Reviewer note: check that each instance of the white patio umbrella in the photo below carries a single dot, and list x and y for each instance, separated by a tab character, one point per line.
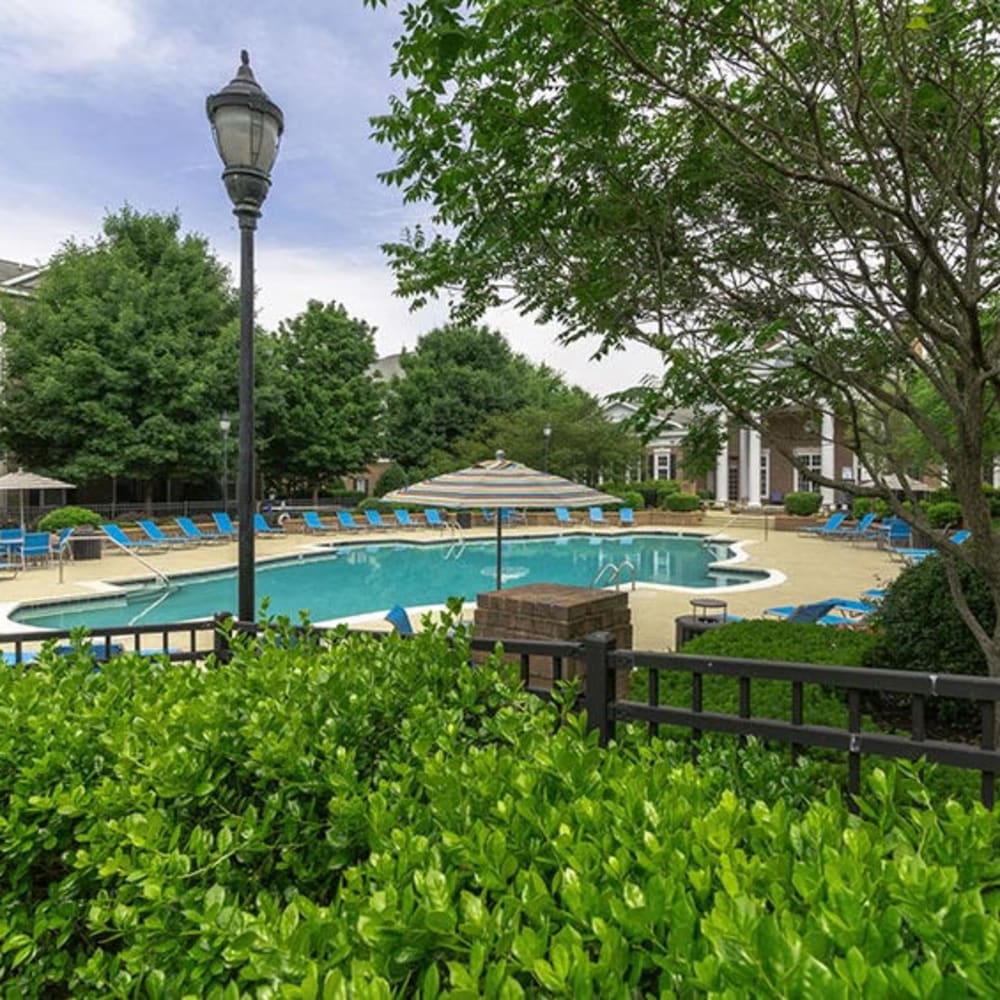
498	484
22	481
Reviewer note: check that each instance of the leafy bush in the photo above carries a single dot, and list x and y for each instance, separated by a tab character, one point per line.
944	513
416	826
792	642
993	496
802	504
681	501
633	499
394	478
68	517
920	628
865	505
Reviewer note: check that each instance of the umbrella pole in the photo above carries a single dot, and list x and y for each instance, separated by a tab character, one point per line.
499	551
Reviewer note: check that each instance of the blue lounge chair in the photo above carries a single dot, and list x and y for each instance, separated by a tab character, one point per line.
824	613
399	619
374	519
863	529
626	518
829	527
403	518
346	520
857	611
313	523
154	534
122	541
261	527
191	530
597	516
563	516
434	519
224	524
913	556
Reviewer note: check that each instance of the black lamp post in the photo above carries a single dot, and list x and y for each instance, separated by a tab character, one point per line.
547	433
247	127
224	425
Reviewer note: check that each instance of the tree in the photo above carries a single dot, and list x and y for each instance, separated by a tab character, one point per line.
796	203
115	366
329	405
455	379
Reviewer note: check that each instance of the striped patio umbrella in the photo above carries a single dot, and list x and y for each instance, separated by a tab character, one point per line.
497	484
20	481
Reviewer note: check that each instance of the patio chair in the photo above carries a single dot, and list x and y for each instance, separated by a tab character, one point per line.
434	519
313	522
154	533
918	555
597	516
346	520
563	516
828	528
191	530
374	518
37	547
122	541
261	527
399	619
857	611
626	517
224	524
403	518
824	613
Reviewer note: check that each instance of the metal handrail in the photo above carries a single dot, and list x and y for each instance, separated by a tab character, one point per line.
458	540
615	573
159	574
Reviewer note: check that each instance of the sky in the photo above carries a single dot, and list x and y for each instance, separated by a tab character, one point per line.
102	103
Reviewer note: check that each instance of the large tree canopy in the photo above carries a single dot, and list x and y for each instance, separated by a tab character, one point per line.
455	379
326	404
116	366
796	203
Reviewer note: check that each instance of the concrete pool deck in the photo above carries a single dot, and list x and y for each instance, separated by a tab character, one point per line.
807	569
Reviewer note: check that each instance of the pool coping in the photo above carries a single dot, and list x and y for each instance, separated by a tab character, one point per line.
314	548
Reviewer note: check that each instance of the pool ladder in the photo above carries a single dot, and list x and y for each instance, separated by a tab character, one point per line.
458	541
614	572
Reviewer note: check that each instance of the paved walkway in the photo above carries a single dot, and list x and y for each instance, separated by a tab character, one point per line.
807	569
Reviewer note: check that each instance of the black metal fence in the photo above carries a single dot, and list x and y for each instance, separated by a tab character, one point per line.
197	640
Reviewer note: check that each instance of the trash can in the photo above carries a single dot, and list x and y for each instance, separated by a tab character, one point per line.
85	546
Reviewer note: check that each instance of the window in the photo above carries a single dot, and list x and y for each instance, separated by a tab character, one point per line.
810	460
663	465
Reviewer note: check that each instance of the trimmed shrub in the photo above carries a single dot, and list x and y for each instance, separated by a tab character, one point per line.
920	628
394	478
866	505
633	499
791	642
944	513
802	504
69	517
681	502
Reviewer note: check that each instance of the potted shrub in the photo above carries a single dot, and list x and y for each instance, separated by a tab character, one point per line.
86	542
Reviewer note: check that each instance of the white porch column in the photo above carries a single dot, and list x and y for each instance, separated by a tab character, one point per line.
753	467
722	467
826	457
996	471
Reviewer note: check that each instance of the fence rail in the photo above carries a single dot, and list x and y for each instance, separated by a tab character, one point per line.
194	641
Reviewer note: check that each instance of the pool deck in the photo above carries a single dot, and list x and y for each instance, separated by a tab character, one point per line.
807	569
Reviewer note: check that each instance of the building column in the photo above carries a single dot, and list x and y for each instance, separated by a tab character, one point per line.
722	468
826	457
996	471
753	467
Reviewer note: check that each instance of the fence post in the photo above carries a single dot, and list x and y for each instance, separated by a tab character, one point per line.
220	636
600	684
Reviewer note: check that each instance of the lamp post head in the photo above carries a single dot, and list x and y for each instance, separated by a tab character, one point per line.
225	423
247	127
547	431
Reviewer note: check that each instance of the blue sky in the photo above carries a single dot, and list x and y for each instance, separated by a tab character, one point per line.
104	103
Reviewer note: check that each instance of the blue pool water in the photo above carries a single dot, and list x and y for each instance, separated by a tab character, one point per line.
361	578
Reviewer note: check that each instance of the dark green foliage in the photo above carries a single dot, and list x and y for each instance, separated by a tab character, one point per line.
633	499
920	628
394	478
68	517
944	513
681	501
802	504
864	505
379	818
791	642
123	360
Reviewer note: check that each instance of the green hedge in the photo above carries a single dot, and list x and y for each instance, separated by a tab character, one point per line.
380	819
802	504
68	517
681	501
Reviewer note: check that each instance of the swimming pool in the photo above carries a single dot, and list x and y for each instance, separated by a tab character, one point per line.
355	579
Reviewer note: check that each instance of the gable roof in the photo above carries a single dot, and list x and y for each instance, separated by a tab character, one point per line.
19	279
